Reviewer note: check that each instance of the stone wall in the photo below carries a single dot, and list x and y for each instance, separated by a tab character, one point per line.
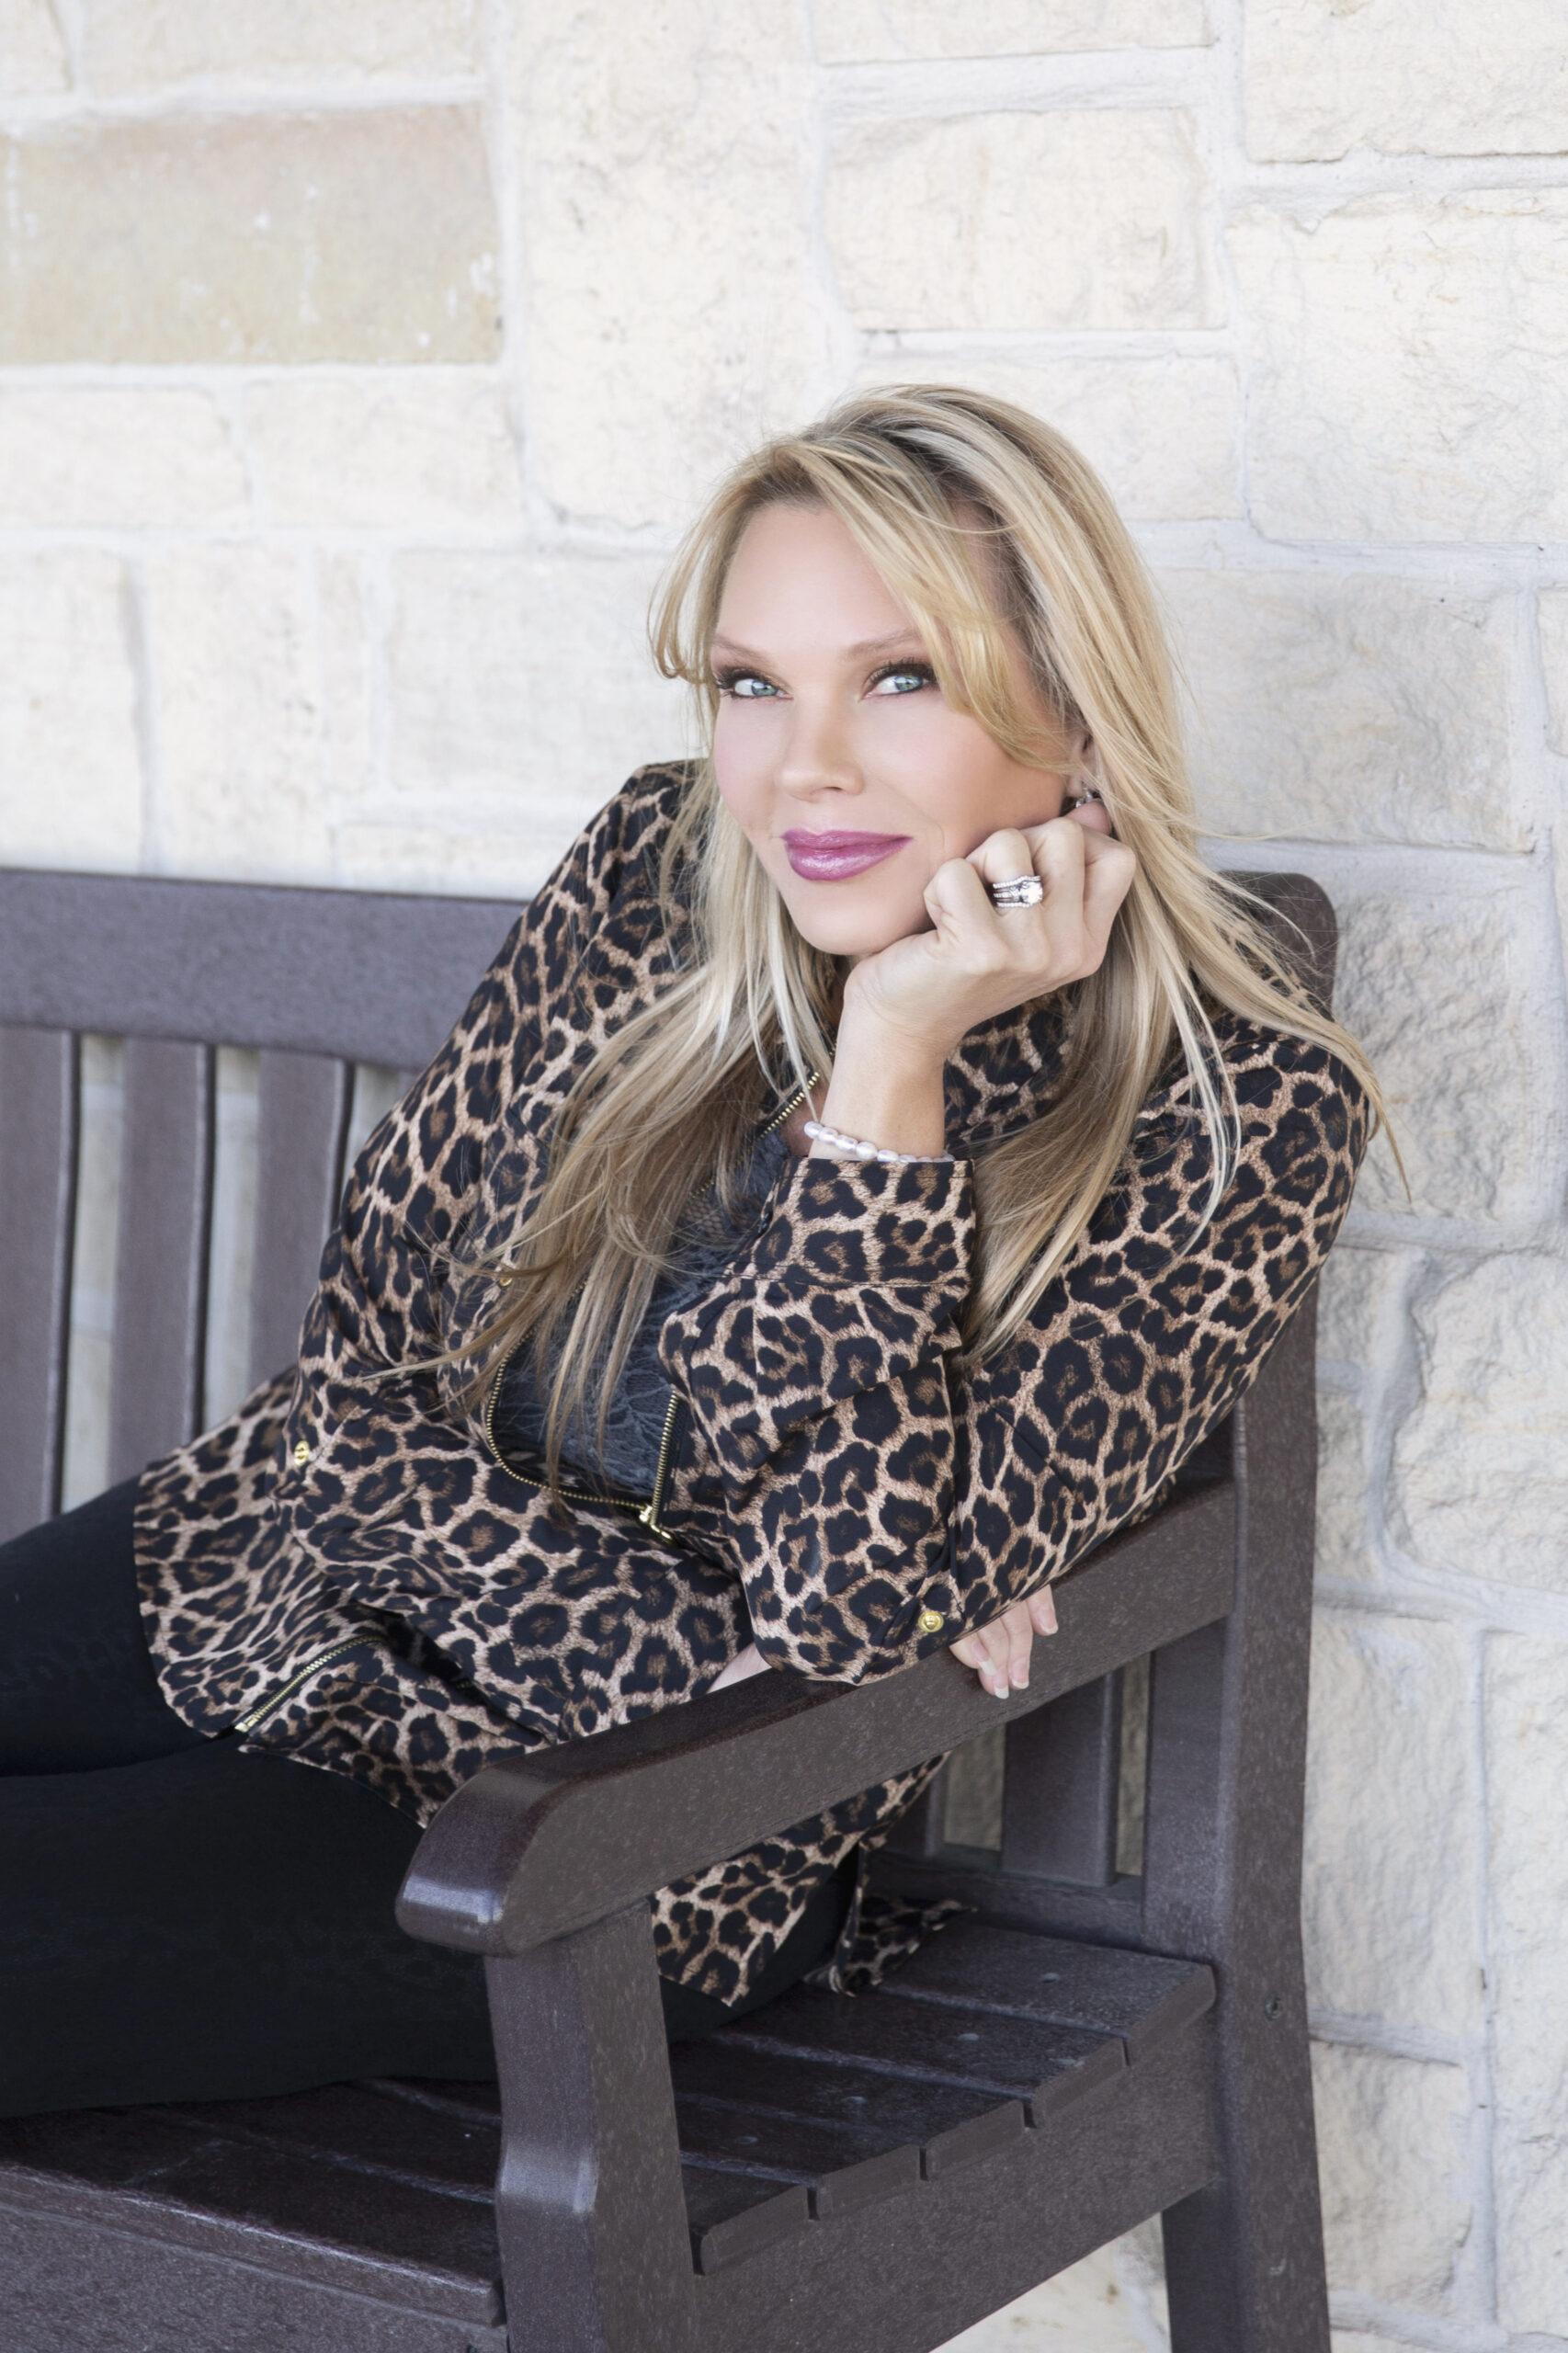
360	362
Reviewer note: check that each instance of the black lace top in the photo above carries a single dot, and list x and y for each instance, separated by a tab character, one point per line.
639	1405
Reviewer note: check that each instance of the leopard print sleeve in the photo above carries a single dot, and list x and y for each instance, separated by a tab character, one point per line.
883	1500
416	1175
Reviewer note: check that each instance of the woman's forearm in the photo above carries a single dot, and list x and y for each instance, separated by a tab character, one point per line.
886	1090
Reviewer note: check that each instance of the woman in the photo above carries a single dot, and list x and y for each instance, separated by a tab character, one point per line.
912	1204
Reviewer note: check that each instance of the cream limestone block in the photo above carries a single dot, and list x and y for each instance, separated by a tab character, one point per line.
32	50
120	457
1479	1464
514	676
1408	366
377	453
1394	2166
460	858
850	31
1119	414
675	313
1389	1878
1439	988
263	716
1344	1543
1526	1769
1356	2340
1553	610
1079	217
1113	2301
157	44
361	233
1433	77
70	766
1345	707
1358	1296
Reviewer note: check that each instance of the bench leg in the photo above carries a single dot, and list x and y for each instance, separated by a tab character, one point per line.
1243	2256
596	2249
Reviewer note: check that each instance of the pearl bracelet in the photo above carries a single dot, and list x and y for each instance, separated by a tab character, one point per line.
857	1148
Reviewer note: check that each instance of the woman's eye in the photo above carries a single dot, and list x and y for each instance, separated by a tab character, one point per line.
921	672
730	682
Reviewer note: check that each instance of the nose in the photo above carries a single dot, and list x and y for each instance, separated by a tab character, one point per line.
817	752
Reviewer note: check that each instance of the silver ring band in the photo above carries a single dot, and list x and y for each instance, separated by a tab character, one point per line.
1018	891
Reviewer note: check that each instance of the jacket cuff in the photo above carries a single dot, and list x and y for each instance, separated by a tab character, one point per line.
854	1283
833	1223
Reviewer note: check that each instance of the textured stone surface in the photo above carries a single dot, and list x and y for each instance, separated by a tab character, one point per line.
1079	217
1395	2171
160	43
1344	1538
522	682
1116	412
32	48
1386	713
63	458
847	30
674	311
1409	365
1526	1774
409	452
70	766
262	716
1554	659
1480	1464
1360	1312
361	235
1435	77
1441	989
1389	1881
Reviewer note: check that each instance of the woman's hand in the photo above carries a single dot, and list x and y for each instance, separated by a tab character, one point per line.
933	987
1000	1652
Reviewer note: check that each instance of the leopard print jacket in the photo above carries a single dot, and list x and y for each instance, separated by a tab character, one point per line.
341	1572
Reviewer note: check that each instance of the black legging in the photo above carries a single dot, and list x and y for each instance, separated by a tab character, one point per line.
179	1921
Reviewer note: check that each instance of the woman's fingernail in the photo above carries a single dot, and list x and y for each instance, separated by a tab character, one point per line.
1020	1674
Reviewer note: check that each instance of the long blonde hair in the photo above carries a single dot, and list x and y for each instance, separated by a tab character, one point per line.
669	1103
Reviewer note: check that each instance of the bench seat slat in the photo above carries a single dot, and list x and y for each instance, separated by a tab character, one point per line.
1044	2066
1142	1997
186	2186
948	2126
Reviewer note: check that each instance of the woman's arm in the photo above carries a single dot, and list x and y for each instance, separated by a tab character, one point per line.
883	1501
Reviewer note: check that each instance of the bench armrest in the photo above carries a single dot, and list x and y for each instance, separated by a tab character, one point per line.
537	1845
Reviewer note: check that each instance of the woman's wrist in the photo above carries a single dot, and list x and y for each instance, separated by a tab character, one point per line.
886	1090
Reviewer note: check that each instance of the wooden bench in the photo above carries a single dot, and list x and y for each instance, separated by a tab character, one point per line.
1093	2046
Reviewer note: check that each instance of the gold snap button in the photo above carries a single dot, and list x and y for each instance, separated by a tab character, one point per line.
503	1276
302	1450
929	1620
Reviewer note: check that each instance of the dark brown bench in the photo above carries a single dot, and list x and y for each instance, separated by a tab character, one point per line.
1097	2045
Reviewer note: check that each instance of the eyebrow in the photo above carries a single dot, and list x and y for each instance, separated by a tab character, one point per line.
862	645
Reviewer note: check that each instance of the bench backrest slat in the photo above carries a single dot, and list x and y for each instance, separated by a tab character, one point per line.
39	1150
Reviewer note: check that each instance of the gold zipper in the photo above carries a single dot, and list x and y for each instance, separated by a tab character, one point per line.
254	1715
647	1511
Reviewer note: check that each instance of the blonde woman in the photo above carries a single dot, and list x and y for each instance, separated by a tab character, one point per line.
876	1157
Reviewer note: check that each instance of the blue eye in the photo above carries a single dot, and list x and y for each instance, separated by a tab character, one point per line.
730	680
920	671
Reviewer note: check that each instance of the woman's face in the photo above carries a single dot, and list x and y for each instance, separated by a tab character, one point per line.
832	722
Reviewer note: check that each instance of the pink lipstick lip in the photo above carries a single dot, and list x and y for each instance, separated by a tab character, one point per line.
822	857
